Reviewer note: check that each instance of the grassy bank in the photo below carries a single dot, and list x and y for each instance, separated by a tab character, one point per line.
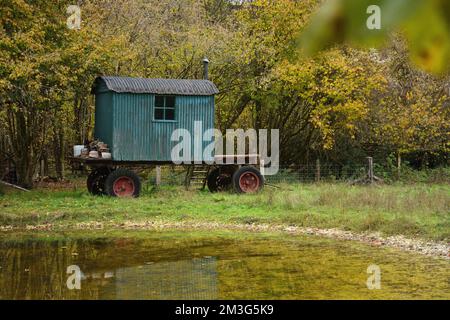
415	211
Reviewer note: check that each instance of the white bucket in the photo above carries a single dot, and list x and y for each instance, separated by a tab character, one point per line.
77	150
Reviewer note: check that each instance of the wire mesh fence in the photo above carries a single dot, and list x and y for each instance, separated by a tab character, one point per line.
316	173
176	175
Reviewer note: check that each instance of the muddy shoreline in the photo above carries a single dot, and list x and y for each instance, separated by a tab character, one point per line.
429	248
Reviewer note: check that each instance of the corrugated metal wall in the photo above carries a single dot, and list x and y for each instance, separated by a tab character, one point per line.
135	136
196	108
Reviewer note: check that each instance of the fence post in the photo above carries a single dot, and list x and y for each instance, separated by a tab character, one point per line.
370	171
262	168
158	176
189	173
318	170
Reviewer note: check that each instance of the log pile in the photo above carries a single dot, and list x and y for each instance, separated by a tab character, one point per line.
96	150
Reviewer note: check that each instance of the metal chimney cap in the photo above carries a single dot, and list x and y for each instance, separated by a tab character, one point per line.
205	68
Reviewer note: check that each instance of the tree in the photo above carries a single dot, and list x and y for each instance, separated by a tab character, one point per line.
412	114
313	103
30	39
40	65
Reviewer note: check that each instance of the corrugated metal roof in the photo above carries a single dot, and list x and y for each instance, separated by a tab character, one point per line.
158	86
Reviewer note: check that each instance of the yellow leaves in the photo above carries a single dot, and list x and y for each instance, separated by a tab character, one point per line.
409	95
418	124
337	87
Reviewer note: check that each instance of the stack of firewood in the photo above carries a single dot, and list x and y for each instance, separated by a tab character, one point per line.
95	150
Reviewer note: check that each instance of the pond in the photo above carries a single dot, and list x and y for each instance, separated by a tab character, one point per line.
210	265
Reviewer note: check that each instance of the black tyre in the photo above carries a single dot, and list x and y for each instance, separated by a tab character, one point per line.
123	183
218	181
96	181
248	180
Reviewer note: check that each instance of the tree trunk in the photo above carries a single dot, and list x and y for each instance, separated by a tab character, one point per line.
26	127
58	145
25	171
23	151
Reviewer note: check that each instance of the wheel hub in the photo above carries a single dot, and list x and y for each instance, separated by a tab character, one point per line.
249	182
124	187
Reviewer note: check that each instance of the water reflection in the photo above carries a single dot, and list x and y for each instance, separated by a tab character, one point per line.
110	269
188	266
194	279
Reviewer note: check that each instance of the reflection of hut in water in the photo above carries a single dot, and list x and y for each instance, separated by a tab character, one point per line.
187	279
38	270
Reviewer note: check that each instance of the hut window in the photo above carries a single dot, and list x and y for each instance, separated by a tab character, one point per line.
164	108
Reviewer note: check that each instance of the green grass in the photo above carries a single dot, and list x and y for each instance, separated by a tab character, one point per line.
415	211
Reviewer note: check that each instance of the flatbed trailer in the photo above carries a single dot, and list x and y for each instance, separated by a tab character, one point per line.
119	179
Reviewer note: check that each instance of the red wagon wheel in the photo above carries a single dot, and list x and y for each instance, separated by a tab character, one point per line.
123	183
124	187
248	180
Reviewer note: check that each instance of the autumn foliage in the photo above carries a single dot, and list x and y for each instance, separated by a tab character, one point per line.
341	105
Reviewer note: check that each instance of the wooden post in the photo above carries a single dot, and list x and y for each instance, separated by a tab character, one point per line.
158	176
262	168
370	169
318	170
399	165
